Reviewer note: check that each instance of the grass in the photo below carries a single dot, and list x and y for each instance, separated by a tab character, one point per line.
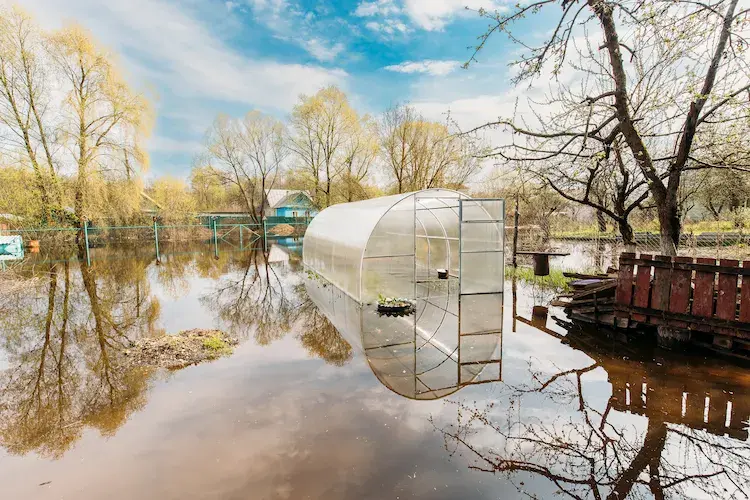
706	226
554	281
217	345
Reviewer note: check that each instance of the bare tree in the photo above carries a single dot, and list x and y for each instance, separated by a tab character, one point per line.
423	154
361	151
24	101
683	76
248	154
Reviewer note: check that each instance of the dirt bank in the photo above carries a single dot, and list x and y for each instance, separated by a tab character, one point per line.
188	347
282	230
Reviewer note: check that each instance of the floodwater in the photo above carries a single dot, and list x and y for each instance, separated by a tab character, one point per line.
297	412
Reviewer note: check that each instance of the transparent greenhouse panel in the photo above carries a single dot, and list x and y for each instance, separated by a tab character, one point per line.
482	272
395	246
484	210
481	236
387	276
481	313
484	347
394	233
379	331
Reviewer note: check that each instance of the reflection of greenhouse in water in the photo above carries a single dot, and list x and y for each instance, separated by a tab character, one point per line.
402	246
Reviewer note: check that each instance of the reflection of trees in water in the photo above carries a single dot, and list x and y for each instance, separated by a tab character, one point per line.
258	299
588	452
66	367
265	300
65	339
319	336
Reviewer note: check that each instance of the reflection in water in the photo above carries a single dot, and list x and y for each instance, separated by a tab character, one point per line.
65	363
63	360
576	412
693	442
423	355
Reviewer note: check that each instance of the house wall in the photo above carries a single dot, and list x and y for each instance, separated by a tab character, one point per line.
299	207
290	211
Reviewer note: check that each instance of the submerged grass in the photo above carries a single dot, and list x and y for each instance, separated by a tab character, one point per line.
554	281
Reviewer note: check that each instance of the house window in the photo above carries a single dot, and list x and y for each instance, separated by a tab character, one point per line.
294	214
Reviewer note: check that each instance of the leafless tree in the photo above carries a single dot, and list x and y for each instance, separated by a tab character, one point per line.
665	79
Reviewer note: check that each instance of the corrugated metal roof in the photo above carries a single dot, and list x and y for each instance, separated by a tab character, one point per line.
277	197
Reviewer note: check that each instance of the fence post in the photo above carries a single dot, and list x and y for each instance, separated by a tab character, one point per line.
86	240
265	236
216	241
156	241
516	218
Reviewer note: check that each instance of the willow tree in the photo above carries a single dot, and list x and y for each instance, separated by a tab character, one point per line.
360	153
25	96
422	154
665	78
104	120
322	129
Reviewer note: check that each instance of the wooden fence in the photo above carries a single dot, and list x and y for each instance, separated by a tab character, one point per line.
699	295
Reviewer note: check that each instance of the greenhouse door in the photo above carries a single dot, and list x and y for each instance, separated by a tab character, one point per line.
480	289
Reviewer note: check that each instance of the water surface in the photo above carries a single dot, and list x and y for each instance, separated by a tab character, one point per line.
297	412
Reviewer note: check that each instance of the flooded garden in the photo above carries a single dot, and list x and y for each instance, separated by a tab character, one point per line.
298	410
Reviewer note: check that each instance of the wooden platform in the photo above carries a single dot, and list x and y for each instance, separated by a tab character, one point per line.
700	301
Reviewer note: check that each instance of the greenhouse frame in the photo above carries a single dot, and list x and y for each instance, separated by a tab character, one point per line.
441	250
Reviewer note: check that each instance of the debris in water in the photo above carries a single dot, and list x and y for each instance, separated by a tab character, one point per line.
186	348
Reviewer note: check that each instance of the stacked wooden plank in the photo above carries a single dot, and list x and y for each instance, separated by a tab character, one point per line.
592	298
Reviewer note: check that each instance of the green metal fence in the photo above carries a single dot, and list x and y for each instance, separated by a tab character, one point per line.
239	235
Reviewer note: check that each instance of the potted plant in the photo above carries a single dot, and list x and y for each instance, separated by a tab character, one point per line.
394	305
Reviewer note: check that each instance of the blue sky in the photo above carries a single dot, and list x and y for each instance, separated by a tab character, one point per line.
197	58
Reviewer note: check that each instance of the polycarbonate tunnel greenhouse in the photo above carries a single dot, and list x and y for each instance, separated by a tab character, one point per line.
440	250
387	245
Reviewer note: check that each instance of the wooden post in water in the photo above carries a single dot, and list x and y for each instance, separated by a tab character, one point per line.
156	241
516	218
265	236
86	240
216	242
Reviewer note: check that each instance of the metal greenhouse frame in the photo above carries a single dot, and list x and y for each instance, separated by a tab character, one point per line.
394	246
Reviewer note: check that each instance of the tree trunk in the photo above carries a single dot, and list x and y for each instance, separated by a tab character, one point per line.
628	237
601	221
669	223
648	456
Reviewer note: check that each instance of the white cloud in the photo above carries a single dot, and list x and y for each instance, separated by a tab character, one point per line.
428	66
230	5
322	51
292	23
388	27
174	50
430	15
376	8
435	14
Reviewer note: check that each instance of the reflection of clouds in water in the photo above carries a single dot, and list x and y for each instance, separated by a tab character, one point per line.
270	432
